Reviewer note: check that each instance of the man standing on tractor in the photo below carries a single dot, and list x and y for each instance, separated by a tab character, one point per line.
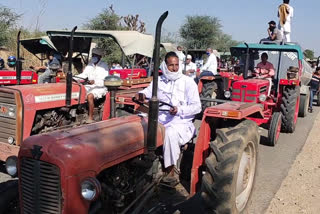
285	14
95	72
191	67
265	70
182	93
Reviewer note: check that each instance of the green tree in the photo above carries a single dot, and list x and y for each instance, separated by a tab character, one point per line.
200	32
309	54
8	19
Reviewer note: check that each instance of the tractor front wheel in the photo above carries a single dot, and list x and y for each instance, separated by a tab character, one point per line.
231	168
290	108
274	129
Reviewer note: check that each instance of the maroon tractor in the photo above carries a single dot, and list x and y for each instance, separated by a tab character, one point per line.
114	166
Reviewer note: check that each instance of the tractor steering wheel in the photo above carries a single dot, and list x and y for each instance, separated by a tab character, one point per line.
85	80
161	103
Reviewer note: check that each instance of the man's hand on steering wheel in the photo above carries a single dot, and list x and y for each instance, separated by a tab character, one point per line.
174	110
140	99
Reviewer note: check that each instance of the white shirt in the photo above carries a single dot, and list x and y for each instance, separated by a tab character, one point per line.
97	73
181	56
287	26
211	65
191	66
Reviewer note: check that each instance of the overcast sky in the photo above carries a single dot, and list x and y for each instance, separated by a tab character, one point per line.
245	20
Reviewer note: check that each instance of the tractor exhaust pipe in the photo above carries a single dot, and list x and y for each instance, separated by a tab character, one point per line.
19	63
154	102
69	73
246	67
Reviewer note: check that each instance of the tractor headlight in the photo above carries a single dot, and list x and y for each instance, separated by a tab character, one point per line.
227	94
90	189
11	166
12	112
262	97
11	140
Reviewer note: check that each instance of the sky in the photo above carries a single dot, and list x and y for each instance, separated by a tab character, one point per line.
244	20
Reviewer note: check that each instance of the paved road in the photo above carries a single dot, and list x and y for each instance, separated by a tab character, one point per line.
273	166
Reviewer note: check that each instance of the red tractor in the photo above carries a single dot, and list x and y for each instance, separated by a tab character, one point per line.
114	166
289	93
34	109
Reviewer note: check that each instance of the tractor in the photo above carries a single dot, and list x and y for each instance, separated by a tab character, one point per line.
115	166
34	109
289	93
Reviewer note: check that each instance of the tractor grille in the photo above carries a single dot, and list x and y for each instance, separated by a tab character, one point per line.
40	187
7	124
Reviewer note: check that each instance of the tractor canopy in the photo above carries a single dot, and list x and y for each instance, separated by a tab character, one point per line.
281	56
130	42
39	45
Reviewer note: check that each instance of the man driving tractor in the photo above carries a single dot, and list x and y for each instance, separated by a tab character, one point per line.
95	72
265	70
182	93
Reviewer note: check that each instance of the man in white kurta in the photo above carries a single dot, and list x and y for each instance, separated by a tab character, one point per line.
95	72
180	55
181	92
285	14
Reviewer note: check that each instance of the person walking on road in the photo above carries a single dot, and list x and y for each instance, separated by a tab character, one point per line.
285	14
314	86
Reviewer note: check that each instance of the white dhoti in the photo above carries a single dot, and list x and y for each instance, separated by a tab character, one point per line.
97	91
176	135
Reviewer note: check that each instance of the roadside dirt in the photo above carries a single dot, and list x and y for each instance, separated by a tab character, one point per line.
300	191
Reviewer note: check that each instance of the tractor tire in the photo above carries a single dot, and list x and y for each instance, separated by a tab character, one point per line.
274	129
289	108
318	99
304	104
231	169
210	91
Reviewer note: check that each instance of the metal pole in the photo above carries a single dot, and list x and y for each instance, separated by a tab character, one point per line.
246	67
18	64
112	103
69	73
154	102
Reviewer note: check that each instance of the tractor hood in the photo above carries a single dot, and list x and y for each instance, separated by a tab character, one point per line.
44	96
92	147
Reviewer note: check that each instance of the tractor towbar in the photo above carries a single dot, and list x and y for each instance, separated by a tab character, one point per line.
69	74
154	102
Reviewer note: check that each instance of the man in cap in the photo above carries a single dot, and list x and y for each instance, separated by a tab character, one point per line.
190	67
95	72
52	61
274	34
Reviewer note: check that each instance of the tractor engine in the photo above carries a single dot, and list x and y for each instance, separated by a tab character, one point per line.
251	90
123	183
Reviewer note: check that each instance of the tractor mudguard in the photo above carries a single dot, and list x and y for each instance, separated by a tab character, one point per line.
234	110
9	77
83	152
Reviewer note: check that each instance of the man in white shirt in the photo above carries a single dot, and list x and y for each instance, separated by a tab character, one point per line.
181	55
182	93
191	67
211	66
285	14
95	72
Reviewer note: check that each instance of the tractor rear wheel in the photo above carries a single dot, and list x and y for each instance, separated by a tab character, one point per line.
210	91
274	129
290	108
231	169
